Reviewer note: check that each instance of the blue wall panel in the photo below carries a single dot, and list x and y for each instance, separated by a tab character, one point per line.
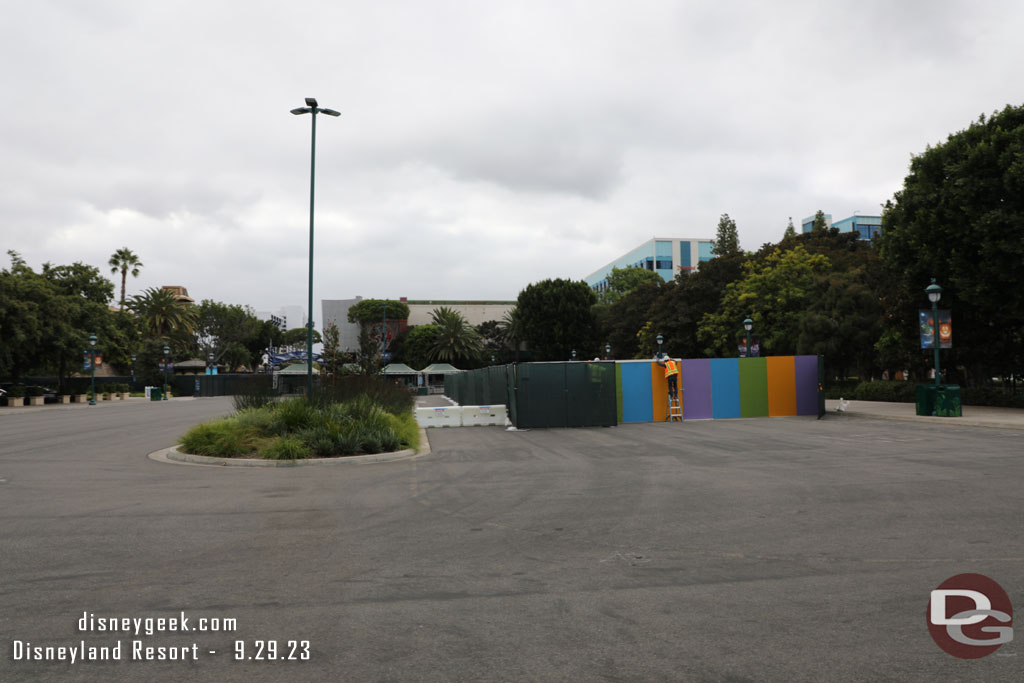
725	387
636	392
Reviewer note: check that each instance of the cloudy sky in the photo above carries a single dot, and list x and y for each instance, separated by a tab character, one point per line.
481	145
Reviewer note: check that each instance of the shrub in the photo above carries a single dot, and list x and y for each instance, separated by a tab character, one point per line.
286	448
394	399
254	398
405	429
292	415
885	390
223	438
260	421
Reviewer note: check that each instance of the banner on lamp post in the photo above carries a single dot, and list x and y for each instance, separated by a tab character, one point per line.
928	329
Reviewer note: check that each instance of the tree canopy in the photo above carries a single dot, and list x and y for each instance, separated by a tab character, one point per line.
555	317
727	238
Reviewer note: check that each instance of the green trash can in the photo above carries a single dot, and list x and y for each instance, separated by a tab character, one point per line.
155	394
948	401
925	399
421	391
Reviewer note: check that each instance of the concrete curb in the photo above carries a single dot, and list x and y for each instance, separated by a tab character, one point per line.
922	419
172	456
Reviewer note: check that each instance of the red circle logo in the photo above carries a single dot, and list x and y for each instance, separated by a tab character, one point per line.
970	616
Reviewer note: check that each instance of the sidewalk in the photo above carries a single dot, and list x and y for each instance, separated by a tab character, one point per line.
973	416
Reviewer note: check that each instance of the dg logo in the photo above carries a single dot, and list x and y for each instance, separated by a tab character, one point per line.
970	616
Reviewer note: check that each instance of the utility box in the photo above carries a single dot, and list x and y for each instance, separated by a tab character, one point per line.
948	401
925	399
155	394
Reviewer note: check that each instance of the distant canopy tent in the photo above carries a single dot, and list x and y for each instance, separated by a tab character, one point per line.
398	369
440	369
190	367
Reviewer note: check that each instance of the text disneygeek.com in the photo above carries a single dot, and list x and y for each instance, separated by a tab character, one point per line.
136	649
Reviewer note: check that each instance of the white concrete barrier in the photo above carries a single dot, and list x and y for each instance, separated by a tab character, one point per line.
473	416
449	416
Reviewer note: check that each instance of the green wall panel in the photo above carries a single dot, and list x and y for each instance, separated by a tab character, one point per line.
753	387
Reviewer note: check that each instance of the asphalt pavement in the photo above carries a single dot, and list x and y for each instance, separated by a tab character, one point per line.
786	549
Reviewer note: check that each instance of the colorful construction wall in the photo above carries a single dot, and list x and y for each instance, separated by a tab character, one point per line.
717	388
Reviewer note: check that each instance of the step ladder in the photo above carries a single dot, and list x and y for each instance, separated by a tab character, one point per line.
675	410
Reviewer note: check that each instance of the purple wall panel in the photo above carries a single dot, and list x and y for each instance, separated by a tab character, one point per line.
806	385
696	386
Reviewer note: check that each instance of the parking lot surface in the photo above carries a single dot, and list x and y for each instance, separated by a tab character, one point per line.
786	549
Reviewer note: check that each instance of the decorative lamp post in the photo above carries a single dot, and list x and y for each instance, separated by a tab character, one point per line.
92	368
574	354
748	325
311	108
492	359
660	340
134	356
934	293
210	358
167	356
607	351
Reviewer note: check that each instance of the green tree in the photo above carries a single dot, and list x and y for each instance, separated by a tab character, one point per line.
727	238
820	224
297	338
556	317
375	311
162	316
623	280
231	332
455	340
842	322
124	260
775	293
790	230
511	332
413	346
333	359
959	218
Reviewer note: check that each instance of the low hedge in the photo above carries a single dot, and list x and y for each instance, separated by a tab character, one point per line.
906	392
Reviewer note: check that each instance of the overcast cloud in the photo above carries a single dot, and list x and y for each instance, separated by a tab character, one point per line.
481	146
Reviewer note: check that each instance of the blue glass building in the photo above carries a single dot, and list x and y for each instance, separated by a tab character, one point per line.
667	256
867	227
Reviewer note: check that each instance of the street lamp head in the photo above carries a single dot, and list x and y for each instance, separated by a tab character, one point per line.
134	356
574	354
607	349
660	339
311	102
933	291
92	339
330	112
301	110
748	324
167	350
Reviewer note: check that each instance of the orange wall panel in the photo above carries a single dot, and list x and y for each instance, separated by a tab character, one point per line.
659	393
781	386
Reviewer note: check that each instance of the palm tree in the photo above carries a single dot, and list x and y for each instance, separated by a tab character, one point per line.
510	330
455	338
124	260
162	315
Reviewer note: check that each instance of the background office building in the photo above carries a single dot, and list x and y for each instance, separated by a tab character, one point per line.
666	256
866	227
420	310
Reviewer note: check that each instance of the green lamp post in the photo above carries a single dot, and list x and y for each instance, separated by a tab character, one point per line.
92	368
748	325
607	351
660	340
934	293
167	356
134	356
311	108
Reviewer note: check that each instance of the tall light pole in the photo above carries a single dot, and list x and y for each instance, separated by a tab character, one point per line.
134	356
934	293
167	359
92	368
748	325
311	108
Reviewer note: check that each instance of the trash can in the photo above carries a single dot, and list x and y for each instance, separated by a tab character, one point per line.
155	394
948	401
925	396
421	391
